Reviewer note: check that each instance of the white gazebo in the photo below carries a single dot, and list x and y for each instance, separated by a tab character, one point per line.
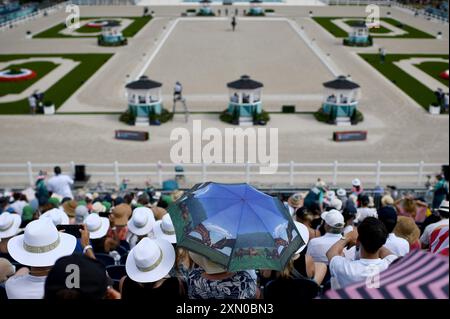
341	98
144	98
245	97
359	34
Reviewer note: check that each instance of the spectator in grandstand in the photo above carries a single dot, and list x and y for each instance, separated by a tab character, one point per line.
4	203
212	281
411	207
19	202
387	200
294	203
342	195
81	213
6	270
28	214
118	222
148	266
333	224
140	225
365	210
425	239
315	196
371	236
349	212
39	247
98	228
407	229
306	218
60	184
42	194
9	227
357	188
397	245
92	283
440	191
69	208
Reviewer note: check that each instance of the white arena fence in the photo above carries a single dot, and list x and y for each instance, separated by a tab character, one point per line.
32	16
288	175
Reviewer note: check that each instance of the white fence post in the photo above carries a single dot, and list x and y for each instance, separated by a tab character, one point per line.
160	177
335	172
72	167
116	173
378	178
420	175
30	173
291	173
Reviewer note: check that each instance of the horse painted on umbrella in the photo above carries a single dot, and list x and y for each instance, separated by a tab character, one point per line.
223	243
272	254
205	233
251	252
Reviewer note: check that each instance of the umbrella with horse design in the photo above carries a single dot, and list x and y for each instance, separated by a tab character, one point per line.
235	226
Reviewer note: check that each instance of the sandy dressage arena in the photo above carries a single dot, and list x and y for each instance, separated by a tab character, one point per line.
204	55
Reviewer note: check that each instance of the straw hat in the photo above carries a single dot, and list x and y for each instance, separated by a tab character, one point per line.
58	216
121	214
142	221
387	200
159	212
41	245
97	226
69	207
304	233
296	200
9	225
150	260
164	229
98	207
207	265
176	195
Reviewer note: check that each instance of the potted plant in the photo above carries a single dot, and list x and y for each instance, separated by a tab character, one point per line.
49	108
155	119
435	108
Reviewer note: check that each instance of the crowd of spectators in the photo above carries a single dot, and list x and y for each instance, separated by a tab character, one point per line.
123	245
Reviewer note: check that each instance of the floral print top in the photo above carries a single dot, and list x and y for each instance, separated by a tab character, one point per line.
239	286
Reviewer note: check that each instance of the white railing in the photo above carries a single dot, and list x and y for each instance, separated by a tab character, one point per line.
357	2
34	15
288	174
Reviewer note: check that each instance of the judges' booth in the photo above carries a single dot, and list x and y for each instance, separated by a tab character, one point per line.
144	99
245	98
255	8
205	8
359	34
111	34
341	99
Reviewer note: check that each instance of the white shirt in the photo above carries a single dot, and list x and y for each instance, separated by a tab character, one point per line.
365	212
25	287
60	185
345	272
32	101
18	206
397	245
425	238
347	229
318	247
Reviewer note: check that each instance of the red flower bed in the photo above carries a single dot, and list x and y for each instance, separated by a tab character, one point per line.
444	75
18	77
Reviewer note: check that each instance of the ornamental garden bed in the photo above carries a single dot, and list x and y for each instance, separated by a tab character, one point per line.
59	92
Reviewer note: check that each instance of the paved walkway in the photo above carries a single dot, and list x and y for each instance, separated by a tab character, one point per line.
410	67
64	67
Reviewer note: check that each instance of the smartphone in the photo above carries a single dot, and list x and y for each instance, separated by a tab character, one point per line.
73	230
104	215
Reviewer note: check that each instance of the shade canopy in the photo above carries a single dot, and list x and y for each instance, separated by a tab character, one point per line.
341	83
144	83
245	83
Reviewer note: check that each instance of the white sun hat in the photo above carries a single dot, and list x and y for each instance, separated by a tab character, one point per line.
164	229
41	245
356	182
97	226
58	216
150	260
304	233
330	195
142	221
9	225
341	192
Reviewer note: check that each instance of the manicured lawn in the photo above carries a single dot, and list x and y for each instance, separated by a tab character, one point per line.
41	69
434	69
130	31
65	87
408	84
379	30
412	33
